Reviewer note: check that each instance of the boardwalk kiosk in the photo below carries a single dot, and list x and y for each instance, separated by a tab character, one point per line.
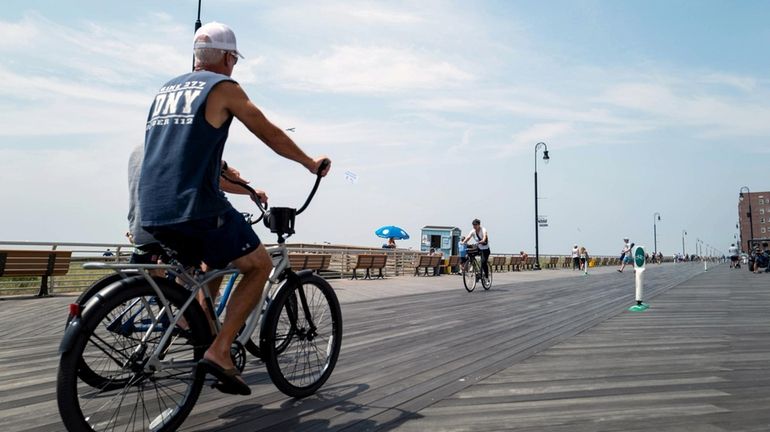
638	256
440	238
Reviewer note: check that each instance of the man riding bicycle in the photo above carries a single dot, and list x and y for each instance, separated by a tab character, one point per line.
479	236
179	196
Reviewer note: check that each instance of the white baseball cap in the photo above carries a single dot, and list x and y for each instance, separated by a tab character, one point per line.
219	35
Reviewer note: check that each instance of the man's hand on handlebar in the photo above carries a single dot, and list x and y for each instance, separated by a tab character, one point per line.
259	196
316	165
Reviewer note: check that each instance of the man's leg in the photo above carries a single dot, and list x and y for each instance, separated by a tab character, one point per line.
255	268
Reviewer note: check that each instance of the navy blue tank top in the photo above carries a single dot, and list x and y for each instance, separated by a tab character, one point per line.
182	154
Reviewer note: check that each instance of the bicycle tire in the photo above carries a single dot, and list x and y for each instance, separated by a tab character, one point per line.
84	408
253	347
486	281
317	345
95	287
469	276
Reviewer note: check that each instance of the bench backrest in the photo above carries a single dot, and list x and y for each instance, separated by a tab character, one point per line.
364	261
379	261
310	261
34	262
424	261
435	260
498	261
515	260
454	260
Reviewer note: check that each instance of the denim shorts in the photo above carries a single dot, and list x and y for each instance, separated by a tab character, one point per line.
216	240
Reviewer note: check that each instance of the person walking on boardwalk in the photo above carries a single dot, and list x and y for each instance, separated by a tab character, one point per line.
625	254
584	259
179	196
575	257
734	255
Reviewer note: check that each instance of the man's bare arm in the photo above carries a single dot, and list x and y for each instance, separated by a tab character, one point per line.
237	103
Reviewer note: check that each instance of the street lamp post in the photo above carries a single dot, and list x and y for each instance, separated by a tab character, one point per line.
697	248
751	222
655	218
684	251
546	158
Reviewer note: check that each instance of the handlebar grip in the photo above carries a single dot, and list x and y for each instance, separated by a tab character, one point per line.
324	164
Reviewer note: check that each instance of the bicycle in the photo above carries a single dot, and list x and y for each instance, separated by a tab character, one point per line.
145	363
472	272
88	373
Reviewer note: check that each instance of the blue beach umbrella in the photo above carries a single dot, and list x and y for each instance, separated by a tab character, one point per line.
389	231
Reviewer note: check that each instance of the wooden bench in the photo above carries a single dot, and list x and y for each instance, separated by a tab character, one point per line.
497	263
530	263
368	263
315	262
19	263
427	262
515	263
552	262
567	263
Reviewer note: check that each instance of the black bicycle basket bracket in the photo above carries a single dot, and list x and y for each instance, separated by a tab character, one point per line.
280	220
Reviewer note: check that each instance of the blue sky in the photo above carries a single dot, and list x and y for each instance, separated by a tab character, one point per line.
436	106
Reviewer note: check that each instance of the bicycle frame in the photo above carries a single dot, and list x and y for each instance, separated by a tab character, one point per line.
279	255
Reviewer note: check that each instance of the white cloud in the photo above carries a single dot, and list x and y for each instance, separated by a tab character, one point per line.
683	103
18	36
370	69
743	83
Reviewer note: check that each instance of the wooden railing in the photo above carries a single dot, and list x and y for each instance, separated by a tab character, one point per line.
400	262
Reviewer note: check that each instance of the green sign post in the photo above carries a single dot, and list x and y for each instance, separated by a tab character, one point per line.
638	255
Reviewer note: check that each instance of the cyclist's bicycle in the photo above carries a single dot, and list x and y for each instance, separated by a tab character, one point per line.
128	363
472	272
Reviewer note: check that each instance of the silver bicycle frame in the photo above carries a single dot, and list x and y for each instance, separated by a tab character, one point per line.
279	255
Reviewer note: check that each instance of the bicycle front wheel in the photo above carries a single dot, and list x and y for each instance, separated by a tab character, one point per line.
469	276
302	335
120	329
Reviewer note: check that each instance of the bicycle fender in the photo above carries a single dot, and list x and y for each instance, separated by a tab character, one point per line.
75	327
70	335
96	303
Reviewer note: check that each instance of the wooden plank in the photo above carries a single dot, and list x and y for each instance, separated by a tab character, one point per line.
557	355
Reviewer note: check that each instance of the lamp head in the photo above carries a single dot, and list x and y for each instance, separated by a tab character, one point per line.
546	158
740	196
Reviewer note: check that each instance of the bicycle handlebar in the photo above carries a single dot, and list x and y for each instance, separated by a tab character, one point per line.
324	164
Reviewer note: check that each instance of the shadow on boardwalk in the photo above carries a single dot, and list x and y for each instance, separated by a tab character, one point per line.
556	354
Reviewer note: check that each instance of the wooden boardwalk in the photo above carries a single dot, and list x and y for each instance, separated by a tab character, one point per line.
553	354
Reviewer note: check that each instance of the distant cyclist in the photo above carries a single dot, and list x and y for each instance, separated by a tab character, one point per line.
480	237
179	195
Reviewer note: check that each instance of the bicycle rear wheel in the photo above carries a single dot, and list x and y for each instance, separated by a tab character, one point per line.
469	275
302	335
97	286
132	394
486	281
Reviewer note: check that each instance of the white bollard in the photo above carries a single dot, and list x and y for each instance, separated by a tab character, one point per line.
639	266
639	285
